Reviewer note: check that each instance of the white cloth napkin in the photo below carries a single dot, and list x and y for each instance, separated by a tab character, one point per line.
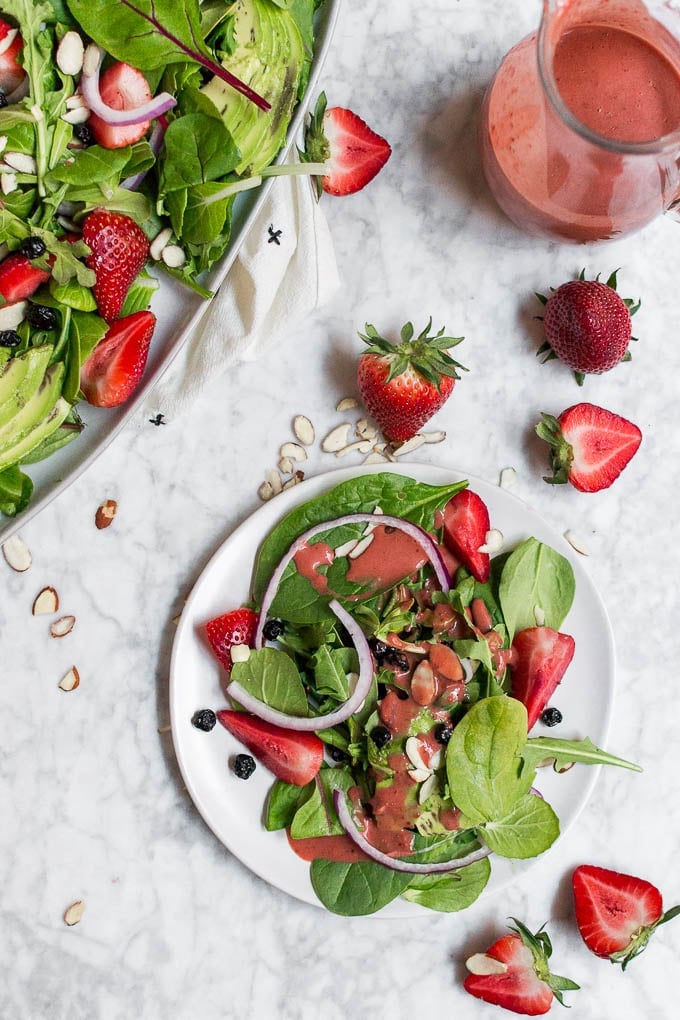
279	277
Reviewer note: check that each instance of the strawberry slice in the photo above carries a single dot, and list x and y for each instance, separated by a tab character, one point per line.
514	973
616	913
589	446
466	522
293	757
119	250
122	87
11	72
19	278
353	152
235	628
540	660
114	368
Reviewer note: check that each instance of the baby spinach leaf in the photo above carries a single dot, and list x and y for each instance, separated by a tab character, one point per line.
16	489
282	803
566	752
452	892
535	575
272	677
316	815
354	890
196	148
91	165
529	828
298	601
483	763
205	217
331	666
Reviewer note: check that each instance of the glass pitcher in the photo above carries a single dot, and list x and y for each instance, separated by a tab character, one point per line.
580	127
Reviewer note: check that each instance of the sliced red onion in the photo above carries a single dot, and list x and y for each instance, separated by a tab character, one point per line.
318	722
155	141
20	92
424	540
89	86
348	824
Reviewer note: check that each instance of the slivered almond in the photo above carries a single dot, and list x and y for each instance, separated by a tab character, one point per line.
303	429
160	241
46	601
17	554
105	514
346	548
274	479
173	256
434	437
74	913
336	438
361	446
414	443
346	404
239	653
361	546
483	965
70	680
294	451
494	541
508	478
63	626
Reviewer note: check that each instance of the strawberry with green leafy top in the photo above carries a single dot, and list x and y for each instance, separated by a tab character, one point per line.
403	385
589	446
617	914
351	150
514	973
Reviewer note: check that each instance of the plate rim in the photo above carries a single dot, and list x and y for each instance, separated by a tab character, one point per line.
290	500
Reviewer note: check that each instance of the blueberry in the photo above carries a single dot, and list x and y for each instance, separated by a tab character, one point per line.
380	736
335	753
397	660
9	338
243	766
41	316
204	719
83	132
443	733
33	247
382	691
551	717
379	649
273	629
3	100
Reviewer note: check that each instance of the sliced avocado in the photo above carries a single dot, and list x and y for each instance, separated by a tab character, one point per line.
32	414
270	57
49	424
20	378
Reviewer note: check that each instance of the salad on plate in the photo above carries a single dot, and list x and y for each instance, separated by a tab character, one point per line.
389	671
127	130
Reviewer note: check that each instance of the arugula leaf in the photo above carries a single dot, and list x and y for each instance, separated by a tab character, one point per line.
567	752
535	575
273	678
354	890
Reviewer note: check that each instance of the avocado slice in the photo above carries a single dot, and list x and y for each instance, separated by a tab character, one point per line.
270	57
25	429
49	424
20	378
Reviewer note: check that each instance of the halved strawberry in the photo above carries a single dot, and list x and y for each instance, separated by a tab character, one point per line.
540	660
292	756
114	368
349	147
11	72
19	278
616	913
514	973
119	250
122	87
235	628
466	522
589	446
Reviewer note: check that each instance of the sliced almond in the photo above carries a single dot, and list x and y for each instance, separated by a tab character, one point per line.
76	116
346	548
22	162
70	54
3	143
419	775
239	653
160	242
494	542
434	437
274	479
294	451
8	40
105	514
17	553
265	491
539	615
429	787
414	443
303	429
577	543
413	748
336	438
8	183
75	102
286	466
483	965
365	430
361	546
46	601
361	446
173	256
74	913
346	404
375	458
70	680
12	315
295	480
63	626
508	478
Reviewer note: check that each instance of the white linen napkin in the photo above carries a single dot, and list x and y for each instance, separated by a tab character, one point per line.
285	269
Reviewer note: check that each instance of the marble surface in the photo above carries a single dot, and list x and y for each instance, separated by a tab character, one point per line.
91	800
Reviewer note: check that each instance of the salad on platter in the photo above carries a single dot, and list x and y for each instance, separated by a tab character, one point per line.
389	671
128	128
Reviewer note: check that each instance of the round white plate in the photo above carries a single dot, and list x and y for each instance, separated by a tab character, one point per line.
233	808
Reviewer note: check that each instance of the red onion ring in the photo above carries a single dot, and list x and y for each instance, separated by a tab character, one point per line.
318	722
89	86
426	543
155	141
348	824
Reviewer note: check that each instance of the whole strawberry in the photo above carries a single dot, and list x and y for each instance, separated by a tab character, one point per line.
404	384
588	326
119	250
